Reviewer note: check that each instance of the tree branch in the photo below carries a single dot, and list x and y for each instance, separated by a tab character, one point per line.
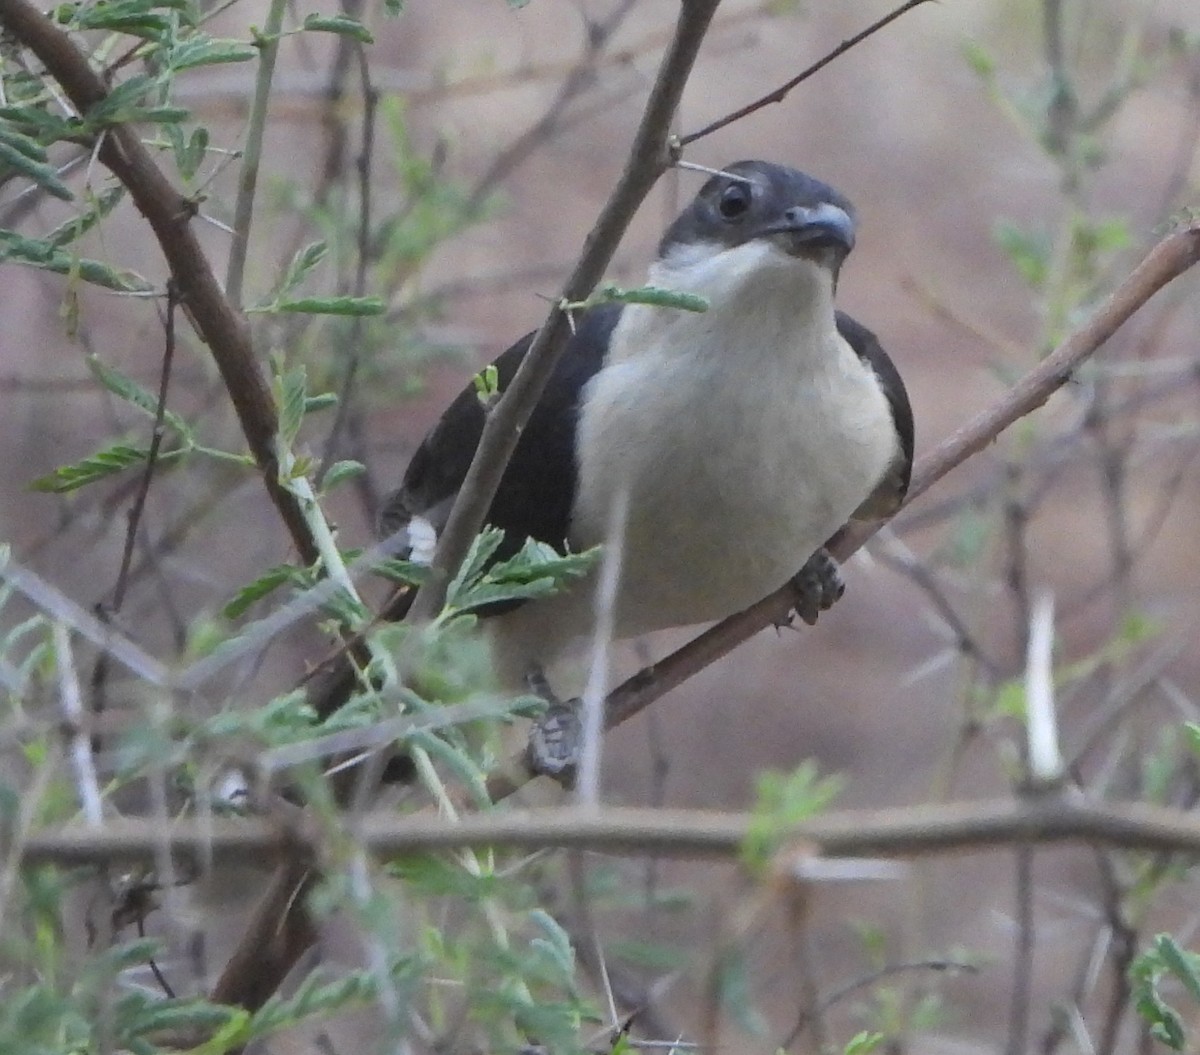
169	214
899	832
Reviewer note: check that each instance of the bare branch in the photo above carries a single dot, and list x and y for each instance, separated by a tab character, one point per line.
902	831
780	93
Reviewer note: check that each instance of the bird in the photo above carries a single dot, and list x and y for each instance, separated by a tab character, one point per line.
739	440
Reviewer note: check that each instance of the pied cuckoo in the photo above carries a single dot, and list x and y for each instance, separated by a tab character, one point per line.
741	439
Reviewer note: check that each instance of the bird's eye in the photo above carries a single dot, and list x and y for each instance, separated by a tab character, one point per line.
735	200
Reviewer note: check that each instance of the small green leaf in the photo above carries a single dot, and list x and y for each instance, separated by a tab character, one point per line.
487	384
291	390
341	24
41	173
107	462
333	305
40	254
340	471
321	401
1180	963
656	296
208	51
1028	251
863	1043
982	62
129	390
263	586
1191	733
404	572
121	16
71	230
121	101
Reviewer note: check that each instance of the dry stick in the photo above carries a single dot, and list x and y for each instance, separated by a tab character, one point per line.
780	93
254	971
169	214
898	832
649	157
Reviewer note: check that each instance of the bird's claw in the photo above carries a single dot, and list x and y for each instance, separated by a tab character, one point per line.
817	586
556	739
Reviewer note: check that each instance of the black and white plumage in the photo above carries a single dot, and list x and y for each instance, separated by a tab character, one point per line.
744	436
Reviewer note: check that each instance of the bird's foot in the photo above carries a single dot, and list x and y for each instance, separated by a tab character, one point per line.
556	739
817	585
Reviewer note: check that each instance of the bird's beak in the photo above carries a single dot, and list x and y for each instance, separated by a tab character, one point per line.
805	230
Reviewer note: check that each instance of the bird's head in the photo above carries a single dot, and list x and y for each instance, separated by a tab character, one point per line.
757	216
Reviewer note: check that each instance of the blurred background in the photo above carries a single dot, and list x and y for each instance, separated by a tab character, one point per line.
1010	161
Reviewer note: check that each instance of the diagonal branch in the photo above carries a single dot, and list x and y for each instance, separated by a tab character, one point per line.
224	329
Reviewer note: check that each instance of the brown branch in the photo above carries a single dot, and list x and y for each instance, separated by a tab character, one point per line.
649	157
169	214
780	93
899	832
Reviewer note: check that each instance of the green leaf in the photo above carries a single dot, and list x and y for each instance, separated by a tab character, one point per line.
203	50
40	254
982	62
263	586
481	552
119	103
333	305
321	401
107	462
291	392
487	384
340	471
121	16
863	1043
37	121
40	172
785	800
1028	251
341	24
129	390
556	941
404	572
299	268
1182	964
71	230
656	296
1191	733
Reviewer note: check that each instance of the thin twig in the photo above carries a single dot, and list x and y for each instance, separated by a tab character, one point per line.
780	93
243	213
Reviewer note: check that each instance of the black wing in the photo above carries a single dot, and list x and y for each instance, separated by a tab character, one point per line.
538	488
886	498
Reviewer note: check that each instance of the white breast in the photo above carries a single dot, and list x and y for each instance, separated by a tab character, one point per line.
746	436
